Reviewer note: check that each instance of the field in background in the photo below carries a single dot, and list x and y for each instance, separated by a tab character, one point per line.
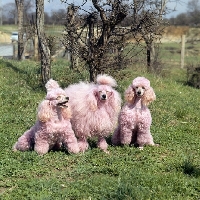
6	30
170	48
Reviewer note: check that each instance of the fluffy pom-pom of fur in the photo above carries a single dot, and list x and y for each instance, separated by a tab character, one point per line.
106	80
141	81
51	84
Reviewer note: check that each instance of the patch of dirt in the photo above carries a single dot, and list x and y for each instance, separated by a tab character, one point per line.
174	33
4	38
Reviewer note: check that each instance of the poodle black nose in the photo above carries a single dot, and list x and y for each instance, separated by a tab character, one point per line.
103	96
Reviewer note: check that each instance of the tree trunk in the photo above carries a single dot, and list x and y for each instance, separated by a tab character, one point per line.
148	59
43	45
92	73
20	9
91	63
73	55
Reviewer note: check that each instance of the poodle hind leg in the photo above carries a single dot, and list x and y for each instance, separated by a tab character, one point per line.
25	142
116	137
102	144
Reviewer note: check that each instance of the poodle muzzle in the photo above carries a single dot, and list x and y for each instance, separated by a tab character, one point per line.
63	102
139	91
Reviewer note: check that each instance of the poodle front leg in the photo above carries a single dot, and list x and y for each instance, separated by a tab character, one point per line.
72	144
24	142
41	146
144	137
126	135
83	144
102	144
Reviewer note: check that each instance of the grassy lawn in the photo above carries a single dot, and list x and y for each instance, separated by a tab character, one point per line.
170	171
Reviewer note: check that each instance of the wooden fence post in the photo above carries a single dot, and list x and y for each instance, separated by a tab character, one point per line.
182	50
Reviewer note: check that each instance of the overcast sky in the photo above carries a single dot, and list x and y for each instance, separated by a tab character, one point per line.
53	5
177	7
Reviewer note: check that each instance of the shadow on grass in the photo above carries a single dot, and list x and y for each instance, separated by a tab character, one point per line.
93	142
28	75
190	169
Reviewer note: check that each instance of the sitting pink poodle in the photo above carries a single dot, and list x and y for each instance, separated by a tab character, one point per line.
135	118
53	127
95	109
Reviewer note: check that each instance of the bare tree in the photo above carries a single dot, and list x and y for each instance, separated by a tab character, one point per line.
101	32
71	35
10	12
148	16
194	11
20	9
94	37
43	44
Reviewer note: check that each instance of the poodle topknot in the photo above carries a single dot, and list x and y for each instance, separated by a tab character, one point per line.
53	127
137	81
51	84
135	118
95	108
106	80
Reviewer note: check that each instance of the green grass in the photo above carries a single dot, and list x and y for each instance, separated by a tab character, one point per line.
170	171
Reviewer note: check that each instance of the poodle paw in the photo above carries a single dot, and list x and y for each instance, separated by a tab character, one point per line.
106	151
41	151
141	148
74	150
83	146
14	149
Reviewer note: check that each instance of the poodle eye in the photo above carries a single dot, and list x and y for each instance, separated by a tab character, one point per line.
58	98
143	88
136	87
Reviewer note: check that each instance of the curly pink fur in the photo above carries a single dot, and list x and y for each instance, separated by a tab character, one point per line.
95	108
53	127
135	119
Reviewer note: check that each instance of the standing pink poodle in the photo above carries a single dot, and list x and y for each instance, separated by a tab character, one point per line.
95	108
135	118
53	127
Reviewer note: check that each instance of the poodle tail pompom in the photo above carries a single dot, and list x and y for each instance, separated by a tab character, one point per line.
51	84
106	80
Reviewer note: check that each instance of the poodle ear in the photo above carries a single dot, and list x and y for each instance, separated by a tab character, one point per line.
129	94
148	97
91	99
115	100
45	111
67	113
